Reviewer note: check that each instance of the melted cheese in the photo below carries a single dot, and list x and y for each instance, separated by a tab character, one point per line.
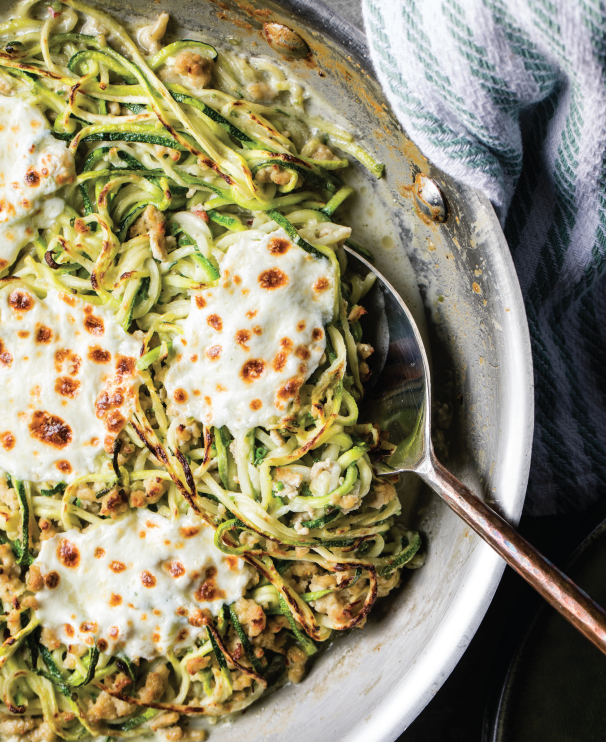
33	165
138	585
252	341
68	379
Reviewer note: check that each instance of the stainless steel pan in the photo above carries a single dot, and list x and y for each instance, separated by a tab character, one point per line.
372	683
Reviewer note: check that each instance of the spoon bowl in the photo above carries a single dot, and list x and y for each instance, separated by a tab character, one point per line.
399	400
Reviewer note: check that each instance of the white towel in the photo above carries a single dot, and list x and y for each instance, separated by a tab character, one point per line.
509	96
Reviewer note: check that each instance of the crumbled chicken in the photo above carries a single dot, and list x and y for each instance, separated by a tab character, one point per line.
8	495
251	616
380	494
154	488
47	529
364	350
152	222
296	659
10	584
356	313
108	708
165	720
114	503
190	70
27	729
49	640
322	152
273	174
196	664
155	684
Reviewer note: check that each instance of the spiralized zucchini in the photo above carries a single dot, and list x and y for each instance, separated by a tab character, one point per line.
179	149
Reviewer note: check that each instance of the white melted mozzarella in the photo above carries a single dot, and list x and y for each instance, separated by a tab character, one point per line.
138	585
33	165
251	342
68	380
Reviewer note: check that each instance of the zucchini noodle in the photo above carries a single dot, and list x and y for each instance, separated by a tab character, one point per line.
179	150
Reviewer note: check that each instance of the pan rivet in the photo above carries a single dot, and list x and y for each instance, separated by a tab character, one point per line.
430	199
285	41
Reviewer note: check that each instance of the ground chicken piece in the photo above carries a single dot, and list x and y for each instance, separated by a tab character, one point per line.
34	579
242	682
251	616
356	313
196	664
42	733
165	720
49	640
155	487
10	584
190	69
47	529
301	573
322	582
337	605
155	684
172	734
270	639
322	152
364	350
296	659
10	725
273	174
8	495
108	708
13	622
380	494
114	503
152	222
386	584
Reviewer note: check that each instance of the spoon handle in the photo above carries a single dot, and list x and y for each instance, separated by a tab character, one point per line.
558	590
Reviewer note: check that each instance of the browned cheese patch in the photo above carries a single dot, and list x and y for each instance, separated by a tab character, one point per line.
44	334
180	396
50	429
215	322
242	337
68	554
290	389
21	301
252	370
272	278
321	285
214	352
278	246
208	589
7	440
117	567
317	334
67	387
5	357
148	579
97	354
52	580
256	404
200	301
92	324
115	600
64	466
67	361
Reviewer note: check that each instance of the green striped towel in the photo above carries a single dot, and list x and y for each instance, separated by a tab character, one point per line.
509	96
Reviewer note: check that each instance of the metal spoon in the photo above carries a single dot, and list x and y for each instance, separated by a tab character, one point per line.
398	399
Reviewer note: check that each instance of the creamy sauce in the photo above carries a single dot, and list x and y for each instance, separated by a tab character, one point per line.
138	586
68	379
252	341
33	166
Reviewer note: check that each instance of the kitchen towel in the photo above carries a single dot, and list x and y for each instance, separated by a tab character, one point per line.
509	96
